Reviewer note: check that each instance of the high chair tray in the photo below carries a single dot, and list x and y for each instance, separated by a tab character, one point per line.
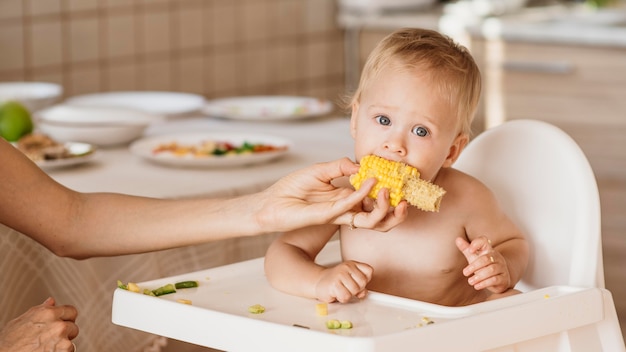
218	316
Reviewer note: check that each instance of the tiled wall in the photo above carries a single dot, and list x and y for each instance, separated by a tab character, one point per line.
211	47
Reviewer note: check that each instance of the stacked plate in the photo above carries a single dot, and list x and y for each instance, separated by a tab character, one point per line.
268	108
166	104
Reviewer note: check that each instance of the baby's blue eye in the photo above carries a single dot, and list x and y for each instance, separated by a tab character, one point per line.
420	131
383	120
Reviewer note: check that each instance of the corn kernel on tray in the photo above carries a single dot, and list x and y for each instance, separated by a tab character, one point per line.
218	314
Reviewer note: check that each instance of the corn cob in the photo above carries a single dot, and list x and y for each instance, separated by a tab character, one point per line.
402	181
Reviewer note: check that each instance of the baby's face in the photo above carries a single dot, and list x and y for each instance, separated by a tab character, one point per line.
402	116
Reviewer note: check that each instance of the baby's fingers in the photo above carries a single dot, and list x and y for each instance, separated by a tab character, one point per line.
493	275
480	245
353	279
483	276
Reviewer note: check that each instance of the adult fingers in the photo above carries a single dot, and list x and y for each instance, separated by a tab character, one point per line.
382	217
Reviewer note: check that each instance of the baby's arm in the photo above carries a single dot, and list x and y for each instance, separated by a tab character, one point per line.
497	251
290	267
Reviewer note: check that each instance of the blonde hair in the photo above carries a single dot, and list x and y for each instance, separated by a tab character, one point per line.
449	64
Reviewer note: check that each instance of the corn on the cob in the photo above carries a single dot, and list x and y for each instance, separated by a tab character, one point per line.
402	181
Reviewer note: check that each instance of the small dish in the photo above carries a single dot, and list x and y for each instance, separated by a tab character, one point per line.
79	153
167	104
33	95
74	153
100	126
145	148
267	108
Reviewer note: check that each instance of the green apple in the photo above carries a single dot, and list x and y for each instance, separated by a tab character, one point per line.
15	121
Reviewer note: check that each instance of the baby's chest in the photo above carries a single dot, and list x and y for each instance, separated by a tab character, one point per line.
416	251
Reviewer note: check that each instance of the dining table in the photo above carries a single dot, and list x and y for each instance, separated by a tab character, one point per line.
31	273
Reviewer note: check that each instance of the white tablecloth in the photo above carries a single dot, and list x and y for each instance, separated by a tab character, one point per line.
117	170
30	273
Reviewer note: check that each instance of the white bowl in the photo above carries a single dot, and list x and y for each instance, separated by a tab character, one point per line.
33	95
100	126
167	104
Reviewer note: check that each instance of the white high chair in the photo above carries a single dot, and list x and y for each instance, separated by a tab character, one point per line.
545	183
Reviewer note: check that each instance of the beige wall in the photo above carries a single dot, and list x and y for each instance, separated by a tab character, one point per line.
211	47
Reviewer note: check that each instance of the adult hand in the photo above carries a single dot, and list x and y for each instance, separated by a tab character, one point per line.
45	327
308	197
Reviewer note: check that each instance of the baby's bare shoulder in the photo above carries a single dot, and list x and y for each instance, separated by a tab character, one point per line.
453	180
465	192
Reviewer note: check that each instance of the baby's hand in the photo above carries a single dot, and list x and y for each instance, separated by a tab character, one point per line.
344	281
487	267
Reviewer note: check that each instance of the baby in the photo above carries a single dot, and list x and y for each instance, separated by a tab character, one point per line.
415	102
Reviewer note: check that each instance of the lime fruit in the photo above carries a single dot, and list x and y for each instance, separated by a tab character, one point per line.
15	121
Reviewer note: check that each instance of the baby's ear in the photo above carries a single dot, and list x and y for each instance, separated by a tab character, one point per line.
455	149
353	115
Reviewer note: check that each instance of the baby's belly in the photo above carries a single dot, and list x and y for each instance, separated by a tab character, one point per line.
443	289
415	270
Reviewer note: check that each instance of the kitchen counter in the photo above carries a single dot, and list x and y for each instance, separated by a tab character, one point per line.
573	25
558	23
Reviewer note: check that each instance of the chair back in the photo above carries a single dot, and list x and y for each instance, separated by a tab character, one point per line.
545	184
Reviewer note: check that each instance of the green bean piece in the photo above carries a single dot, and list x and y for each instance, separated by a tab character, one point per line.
186	284
164	290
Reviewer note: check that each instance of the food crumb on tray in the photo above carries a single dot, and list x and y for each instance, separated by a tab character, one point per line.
321	309
256	309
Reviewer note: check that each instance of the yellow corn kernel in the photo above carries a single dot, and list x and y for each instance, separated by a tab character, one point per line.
401	179
133	287
321	309
391	175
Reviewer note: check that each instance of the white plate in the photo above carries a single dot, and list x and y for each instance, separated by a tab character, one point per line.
81	153
159	103
145	148
267	108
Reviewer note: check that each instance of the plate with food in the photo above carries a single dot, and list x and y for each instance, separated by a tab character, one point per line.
268	108
48	153
210	149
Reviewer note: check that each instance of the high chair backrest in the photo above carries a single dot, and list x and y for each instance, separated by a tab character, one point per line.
545	183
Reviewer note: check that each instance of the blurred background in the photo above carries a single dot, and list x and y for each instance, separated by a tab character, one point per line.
561	62
213	48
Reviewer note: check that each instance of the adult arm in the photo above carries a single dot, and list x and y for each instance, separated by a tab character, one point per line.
82	225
